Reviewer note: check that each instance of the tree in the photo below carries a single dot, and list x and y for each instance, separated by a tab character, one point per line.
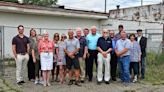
14	1
48	3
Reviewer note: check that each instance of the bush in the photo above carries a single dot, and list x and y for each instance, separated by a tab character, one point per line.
154	66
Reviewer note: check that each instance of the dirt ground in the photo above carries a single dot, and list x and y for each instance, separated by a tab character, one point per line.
9	85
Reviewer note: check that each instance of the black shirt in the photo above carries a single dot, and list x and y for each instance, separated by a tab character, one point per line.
104	44
83	43
21	44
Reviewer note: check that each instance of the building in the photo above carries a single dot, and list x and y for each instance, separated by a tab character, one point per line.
59	19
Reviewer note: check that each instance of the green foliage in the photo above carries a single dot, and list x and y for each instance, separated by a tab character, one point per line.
48	3
154	68
14	1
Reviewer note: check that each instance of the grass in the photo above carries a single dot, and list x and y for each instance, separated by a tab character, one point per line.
154	68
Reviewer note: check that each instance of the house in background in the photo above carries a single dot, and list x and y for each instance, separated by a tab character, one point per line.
59	19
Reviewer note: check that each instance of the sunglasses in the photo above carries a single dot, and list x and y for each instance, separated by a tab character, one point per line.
105	32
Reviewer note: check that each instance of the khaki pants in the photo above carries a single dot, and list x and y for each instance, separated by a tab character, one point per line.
103	62
82	68
21	66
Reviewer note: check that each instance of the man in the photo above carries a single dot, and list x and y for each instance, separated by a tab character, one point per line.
120	29
113	61
123	54
104	47
86	32
92	49
20	47
82	53
72	47
143	43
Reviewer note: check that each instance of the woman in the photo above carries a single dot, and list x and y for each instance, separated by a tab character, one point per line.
61	59
31	65
46	48
36	59
135	57
55	67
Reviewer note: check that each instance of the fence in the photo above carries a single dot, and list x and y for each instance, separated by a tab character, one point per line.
7	33
1	60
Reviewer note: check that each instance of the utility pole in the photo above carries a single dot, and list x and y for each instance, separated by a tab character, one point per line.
141	2
105	6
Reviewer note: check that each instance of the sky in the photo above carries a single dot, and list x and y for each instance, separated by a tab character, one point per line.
98	5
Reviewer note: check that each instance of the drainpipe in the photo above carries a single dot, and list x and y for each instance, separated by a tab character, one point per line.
163	39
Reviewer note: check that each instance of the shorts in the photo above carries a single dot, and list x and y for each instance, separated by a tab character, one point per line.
72	63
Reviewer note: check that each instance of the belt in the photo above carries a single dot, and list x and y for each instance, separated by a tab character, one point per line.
45	51
22	53
124	56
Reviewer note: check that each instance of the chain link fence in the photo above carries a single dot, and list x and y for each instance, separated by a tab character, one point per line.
154	41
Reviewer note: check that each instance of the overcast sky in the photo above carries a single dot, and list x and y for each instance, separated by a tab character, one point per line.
98	5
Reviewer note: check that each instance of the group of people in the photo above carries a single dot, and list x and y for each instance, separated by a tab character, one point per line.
76	55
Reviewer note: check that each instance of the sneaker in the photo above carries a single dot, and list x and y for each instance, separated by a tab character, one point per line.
126	84
70	82
77	83
135	79
36	82
41	82
98	83
44	84
48	84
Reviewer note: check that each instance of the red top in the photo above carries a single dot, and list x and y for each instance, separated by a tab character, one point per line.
46	46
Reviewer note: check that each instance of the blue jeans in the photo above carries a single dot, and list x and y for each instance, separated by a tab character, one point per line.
124	64
143	67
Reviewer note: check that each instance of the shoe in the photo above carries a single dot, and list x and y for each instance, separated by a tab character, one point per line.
19	83
70	82
98	83
114	79
22	82
48	84
44	83
107	82
90	80
77	84
41	82
82	81
36	82
135	79
126	84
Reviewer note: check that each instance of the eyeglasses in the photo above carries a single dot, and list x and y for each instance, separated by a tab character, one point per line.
105	32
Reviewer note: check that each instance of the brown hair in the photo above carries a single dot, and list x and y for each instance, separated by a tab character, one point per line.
56	35
20	26
132	34
32	29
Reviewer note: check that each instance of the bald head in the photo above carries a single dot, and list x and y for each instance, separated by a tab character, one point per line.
111	34
93	30
78	32
105	33
70	33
